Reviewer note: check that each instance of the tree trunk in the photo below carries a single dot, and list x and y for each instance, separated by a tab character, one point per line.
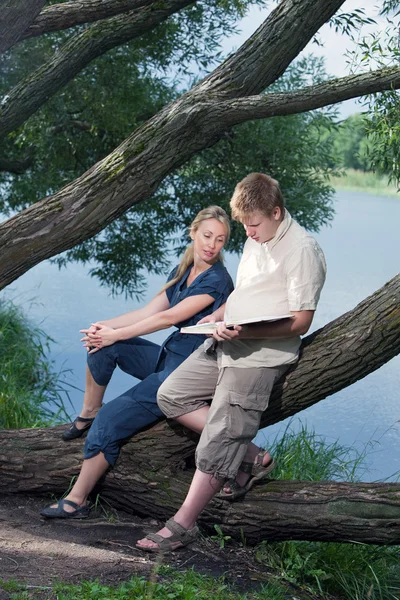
152	479
154	470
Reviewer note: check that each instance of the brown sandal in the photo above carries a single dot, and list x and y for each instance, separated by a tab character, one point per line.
257	472
180	537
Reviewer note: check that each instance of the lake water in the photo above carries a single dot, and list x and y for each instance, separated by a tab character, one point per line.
362	248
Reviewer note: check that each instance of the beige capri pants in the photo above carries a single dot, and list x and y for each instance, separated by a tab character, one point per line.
239	397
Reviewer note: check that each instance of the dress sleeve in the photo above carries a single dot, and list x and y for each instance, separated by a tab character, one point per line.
305	276
217	283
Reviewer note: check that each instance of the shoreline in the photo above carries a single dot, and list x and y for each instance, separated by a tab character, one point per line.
368	182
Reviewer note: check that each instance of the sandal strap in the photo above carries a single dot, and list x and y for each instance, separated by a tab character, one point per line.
179	534
84	419
176	528
69	502
157	538
234	487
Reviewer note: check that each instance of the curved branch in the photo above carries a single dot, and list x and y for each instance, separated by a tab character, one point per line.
312	97
29	95
134	170
341	353
15	166
15	18
69	14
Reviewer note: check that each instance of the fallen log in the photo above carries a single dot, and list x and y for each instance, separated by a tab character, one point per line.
154	473
155	467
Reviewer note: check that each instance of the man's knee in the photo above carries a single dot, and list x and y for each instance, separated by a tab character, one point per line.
165	398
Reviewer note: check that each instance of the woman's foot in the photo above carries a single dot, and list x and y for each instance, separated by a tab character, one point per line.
80	425
66	509
169	538
248	475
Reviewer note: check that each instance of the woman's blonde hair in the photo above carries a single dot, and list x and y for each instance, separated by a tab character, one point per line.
211	212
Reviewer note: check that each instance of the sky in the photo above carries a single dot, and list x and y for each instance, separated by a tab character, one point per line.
334	44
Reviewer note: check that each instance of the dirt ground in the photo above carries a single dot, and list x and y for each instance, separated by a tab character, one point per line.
38	552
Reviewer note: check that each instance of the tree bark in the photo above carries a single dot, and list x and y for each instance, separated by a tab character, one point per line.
30	94
69	14
15	18
151	478
154	470
135	169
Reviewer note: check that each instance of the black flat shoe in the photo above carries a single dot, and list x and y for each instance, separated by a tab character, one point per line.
74	432
59	512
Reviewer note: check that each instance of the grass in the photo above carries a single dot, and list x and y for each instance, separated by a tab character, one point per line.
349	571
164	584
30	393
364	181
305	455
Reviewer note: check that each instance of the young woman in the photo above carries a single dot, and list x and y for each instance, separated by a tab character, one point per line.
197	287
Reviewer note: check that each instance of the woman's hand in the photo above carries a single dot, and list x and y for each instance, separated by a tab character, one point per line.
89	339
207	319
98	336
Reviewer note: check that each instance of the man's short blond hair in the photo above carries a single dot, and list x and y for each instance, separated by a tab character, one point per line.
256	193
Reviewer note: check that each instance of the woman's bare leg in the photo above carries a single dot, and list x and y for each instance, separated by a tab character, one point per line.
91	471
92	399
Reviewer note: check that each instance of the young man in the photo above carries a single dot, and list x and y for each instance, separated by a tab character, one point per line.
282	271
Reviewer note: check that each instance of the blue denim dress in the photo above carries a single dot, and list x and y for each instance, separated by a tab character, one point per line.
137	408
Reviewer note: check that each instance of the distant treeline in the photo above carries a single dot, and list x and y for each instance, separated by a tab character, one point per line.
352	143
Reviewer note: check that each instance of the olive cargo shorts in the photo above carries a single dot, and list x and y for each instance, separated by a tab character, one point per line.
239	397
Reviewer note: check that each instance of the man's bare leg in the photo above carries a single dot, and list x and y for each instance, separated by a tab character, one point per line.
202	489
91	471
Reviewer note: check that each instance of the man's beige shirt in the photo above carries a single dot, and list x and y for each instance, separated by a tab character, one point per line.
278	277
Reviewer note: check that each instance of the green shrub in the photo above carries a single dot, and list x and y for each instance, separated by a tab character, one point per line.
30	392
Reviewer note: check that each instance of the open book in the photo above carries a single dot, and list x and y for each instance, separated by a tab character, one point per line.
208	328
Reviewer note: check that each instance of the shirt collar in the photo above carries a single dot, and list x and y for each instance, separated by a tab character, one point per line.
280	232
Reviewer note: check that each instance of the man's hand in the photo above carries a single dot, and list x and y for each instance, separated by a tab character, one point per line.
225	333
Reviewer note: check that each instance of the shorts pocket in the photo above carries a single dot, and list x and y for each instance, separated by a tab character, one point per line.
251	401
244	415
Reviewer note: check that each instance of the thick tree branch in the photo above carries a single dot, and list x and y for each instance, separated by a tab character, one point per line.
15	18
69	14
154	471
29	95
312	97
135	169
151	479
17	167
341	353
265	56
